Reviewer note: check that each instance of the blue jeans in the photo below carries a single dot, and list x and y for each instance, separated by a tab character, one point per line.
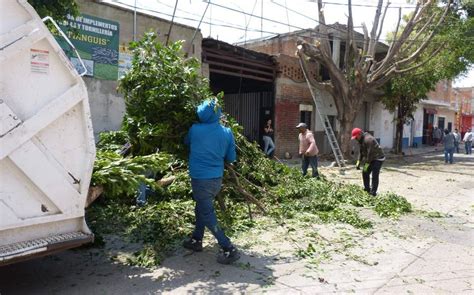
374	169
468	147
456	147
448	155
269	146
204	192
313	161
143	192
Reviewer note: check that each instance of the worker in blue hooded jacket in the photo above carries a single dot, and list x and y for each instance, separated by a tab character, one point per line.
210	144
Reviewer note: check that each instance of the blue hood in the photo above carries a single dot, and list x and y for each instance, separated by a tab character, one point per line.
206	112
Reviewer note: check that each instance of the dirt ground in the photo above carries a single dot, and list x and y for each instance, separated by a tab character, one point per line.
427	252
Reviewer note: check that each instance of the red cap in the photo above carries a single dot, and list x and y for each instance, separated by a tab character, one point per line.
356	132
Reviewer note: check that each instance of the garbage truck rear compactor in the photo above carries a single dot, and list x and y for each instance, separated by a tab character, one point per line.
46	140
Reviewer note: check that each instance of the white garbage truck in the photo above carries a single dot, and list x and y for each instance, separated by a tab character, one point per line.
46	140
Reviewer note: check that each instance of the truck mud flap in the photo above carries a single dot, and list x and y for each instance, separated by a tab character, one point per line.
39	247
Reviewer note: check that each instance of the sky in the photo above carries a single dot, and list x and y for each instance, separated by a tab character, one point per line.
235	21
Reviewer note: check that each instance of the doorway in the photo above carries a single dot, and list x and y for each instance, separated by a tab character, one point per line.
428	120
441	123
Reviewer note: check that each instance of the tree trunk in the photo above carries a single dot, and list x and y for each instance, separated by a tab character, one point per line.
399	137
347	112
401	116
347	123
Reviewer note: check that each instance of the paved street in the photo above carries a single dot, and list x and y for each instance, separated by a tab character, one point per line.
427	252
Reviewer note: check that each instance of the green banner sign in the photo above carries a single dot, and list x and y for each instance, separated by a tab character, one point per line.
97	41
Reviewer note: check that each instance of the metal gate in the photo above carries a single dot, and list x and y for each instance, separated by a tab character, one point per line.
246	109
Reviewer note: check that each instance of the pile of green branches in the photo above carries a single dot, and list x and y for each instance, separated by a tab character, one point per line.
162	90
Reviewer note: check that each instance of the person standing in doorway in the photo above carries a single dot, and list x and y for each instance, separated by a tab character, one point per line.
308	150
210	145
457	140
269	146
448	142
468	141
371	158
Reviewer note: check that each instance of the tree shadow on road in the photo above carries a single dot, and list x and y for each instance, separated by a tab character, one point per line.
90	271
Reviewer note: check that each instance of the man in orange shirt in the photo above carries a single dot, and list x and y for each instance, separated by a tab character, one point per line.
308	149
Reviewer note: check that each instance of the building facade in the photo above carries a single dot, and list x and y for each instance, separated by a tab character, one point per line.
294	103
438	110
464	97
105	29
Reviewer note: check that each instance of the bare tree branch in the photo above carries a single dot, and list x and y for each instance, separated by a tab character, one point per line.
382	22
420	33
426	41
316	84
366	39
323	30
395	35
393	71
347	50
373	33
397	43
433	54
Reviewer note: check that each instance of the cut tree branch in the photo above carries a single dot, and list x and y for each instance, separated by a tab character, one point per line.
249	197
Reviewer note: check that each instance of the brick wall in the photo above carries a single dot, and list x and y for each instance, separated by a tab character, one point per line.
291	91
442	92
285	46
289	96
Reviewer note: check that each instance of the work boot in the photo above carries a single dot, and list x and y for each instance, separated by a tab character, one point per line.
227	256
193	244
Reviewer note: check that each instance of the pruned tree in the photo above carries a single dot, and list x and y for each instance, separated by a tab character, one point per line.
361	73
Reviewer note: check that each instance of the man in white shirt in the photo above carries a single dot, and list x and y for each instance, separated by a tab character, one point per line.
468	141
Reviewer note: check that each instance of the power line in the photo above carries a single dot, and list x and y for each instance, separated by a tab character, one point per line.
172	22
233	26
187	12
251	14
366	5
287	17
237	27
197	28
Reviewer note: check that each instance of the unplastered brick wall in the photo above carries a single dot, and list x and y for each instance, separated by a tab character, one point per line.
289	96
289	67
285	45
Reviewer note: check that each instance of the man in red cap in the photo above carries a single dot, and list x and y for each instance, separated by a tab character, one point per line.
371	157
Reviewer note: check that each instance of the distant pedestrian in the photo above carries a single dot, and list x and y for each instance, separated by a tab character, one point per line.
437	134
308	150
448	141
457	140
269	145
371	158
468	141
